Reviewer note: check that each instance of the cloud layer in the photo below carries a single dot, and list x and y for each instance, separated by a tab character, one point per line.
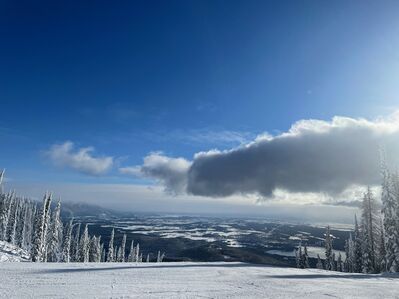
313	156
81	160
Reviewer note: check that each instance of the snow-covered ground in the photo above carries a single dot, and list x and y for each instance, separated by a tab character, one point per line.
186	280
11	253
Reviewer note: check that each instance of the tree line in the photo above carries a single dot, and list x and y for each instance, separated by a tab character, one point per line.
373	246
39	230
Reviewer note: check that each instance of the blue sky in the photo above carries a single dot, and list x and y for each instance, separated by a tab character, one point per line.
133	77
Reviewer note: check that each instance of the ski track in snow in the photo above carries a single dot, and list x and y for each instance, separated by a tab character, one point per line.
186	280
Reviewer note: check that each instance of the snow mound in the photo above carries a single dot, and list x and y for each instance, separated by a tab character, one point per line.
12	253
187	280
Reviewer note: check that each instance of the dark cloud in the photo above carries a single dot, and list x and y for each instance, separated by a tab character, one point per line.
313	156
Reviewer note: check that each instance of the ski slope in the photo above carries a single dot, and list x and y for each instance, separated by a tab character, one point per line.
186	280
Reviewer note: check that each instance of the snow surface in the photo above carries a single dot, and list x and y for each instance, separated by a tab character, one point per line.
12	253
186	280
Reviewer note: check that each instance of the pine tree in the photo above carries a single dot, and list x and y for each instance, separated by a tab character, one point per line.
159	257
340	267
95	249
66	248
13	222
84	248
41	225
55	235
382	262
357	250
298	254
137	252
319	264
76	244
305	257
347	263
328	246
26	223
389	210
132	255
20	226
333	265
395	184
123	249
6	214
92	251
115	256
119	255
99	249
352	258
110	256
103	256
369	232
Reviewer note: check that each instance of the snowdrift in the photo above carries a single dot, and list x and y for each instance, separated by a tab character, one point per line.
186	280
12	253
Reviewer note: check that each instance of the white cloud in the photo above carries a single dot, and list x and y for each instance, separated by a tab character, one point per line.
81	159
132	170
314	157
201	136
171	172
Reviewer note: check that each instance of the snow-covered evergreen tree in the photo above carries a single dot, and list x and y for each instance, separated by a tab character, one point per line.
119	254
328	250
110	256
12	228
38	253
298	254
123	249
8	201
389	210
95	249
103	256
370	232
132	254
99	249
84	248
305	257
382	262
357	250
339	263
319	264
115	256
160	257
333	265
66	248
137	252
55	236
75	254
348	263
